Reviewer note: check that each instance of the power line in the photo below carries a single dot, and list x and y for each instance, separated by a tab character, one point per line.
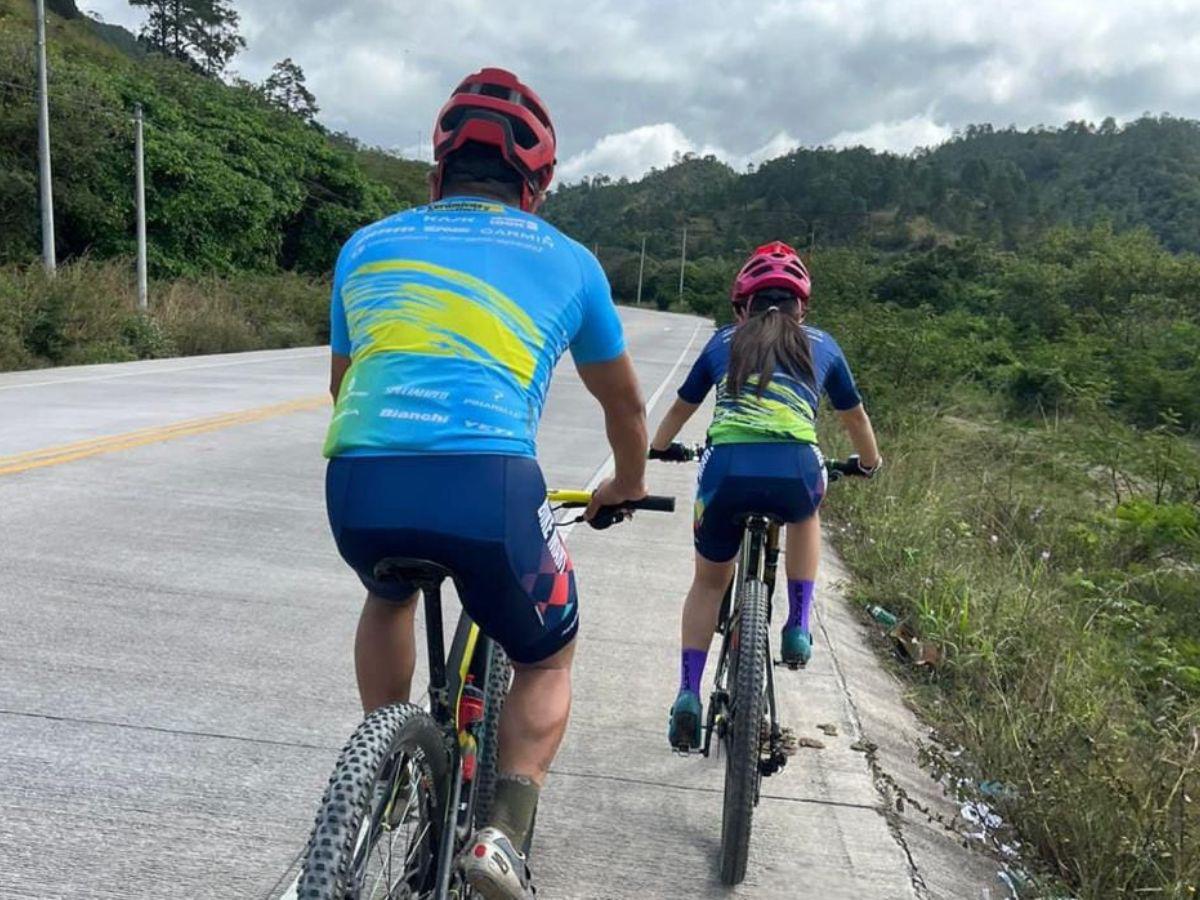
83	106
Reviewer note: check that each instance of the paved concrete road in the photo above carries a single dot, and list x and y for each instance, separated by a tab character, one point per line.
175	658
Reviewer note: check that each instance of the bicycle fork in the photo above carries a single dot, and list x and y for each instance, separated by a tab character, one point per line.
758	561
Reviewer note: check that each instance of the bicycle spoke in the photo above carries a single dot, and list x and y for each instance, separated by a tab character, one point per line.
389	828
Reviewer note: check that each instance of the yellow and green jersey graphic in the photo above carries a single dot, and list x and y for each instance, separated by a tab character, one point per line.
780	414
454	316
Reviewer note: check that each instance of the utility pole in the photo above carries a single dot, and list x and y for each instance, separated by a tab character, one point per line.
139	159
47	193
641	269
682	261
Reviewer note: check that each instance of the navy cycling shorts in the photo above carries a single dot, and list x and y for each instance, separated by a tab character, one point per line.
484	517
784	480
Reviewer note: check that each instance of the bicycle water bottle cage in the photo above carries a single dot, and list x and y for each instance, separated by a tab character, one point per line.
420	573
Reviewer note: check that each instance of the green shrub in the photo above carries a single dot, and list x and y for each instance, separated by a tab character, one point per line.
1068	624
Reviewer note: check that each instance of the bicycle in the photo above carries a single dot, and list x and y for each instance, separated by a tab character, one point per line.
742	713
412	785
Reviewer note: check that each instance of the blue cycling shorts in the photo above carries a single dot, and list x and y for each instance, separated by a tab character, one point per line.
784	480
484	517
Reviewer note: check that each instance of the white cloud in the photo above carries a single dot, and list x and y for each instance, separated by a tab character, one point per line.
629	153
780	144
631	82
632	153
895	137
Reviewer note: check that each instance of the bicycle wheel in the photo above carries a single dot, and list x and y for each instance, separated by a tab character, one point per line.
743	739
377	831
499	676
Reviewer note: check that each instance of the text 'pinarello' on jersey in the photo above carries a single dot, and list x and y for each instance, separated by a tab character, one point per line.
454	316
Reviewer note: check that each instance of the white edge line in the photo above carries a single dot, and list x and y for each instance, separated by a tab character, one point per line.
606	467
599	475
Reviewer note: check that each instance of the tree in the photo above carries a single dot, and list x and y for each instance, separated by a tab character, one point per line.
202	33
215	37
286	89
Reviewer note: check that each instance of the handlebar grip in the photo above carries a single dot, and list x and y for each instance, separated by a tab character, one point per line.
653	503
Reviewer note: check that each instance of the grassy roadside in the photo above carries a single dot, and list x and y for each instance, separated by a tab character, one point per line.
1057	567
88	314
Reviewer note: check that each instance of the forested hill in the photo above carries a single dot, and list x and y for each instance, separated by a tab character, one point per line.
234	183
1003	185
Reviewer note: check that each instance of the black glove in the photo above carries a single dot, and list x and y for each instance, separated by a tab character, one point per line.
855	467
675	452
607	516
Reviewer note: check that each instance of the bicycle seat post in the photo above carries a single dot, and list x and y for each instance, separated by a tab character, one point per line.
439	695
427	577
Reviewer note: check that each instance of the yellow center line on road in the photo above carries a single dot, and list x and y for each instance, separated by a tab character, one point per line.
65	453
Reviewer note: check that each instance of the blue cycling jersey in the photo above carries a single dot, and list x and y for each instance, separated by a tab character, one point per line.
454	315
788	408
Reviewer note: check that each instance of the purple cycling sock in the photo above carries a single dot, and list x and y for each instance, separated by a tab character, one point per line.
691	669
800	594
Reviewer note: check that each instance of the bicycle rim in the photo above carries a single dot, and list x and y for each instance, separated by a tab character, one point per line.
743	736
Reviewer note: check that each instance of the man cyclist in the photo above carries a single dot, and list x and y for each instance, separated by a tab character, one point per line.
446	324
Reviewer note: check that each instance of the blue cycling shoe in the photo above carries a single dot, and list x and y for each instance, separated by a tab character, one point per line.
796	647
684	730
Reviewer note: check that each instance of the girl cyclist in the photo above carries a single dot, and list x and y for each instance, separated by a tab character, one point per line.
769	370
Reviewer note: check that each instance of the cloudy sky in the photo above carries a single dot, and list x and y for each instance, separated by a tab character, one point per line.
631	82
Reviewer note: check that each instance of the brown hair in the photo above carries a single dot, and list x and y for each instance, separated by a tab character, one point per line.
770	339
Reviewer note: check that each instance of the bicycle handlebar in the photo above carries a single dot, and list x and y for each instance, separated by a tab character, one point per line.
580	500
608	515
677	452
837	469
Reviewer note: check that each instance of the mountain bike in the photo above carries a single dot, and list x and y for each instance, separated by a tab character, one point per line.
742	713
412	785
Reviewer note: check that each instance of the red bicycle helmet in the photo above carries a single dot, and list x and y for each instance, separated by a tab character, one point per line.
773	265
492	107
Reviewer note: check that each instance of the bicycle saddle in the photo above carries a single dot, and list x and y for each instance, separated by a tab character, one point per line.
745	519
418	572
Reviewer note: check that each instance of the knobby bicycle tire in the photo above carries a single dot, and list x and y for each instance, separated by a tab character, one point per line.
499	676
366	774
747	680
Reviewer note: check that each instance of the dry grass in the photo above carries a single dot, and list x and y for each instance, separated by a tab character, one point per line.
88	314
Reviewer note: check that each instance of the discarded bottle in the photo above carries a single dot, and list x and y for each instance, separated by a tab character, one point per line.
882	616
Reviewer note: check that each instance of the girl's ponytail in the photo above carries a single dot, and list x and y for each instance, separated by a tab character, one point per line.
771	339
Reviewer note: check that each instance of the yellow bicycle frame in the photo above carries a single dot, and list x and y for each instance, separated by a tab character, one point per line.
570	498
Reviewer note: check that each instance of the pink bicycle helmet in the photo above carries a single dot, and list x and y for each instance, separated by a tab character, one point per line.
773	265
